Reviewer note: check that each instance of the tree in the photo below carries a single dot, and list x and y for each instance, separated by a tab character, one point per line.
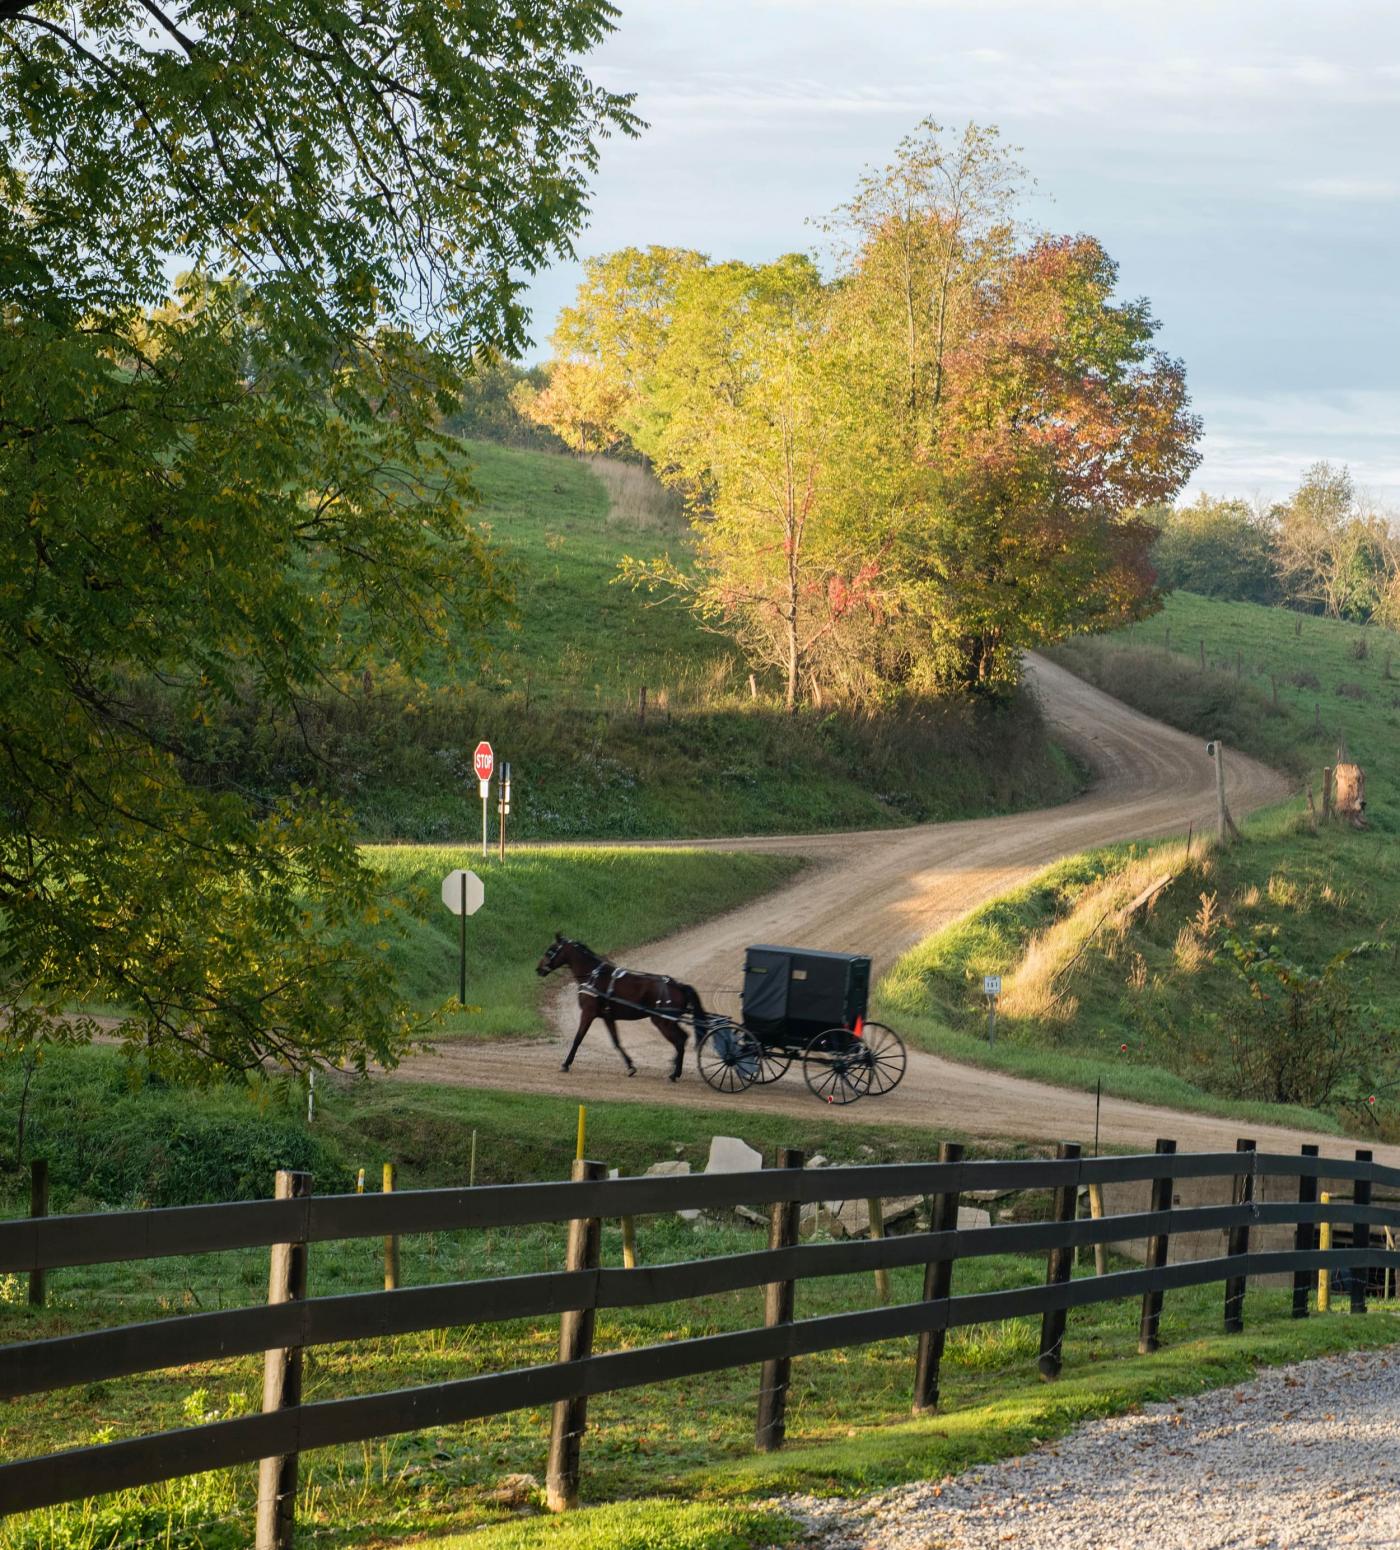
578	402
905	476
606	345
1333	556
744	418
1218	548
1297	1034
1015	491
245	493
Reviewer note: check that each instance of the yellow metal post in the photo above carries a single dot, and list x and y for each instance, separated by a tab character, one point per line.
582	1128
1324	1276
391	1240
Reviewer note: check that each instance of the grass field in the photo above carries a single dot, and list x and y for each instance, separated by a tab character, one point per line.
679	1458
612	897
1332	680
559	696
1081	982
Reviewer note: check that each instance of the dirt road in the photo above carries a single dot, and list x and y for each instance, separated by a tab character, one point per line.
878	892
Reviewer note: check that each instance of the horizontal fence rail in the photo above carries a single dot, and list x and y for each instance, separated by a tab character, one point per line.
55	1242
39	1365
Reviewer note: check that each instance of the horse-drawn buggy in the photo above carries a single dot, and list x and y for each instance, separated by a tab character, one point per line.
795	1005
808	1006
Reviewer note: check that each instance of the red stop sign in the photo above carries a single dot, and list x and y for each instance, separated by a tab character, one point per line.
483	761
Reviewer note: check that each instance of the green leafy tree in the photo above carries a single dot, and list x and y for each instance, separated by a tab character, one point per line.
606	345
1334	556
1218	548
244	493
743	414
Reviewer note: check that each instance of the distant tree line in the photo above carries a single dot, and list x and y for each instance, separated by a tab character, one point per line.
902	466
1323	550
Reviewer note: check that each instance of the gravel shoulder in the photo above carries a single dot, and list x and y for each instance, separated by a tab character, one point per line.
1301	1458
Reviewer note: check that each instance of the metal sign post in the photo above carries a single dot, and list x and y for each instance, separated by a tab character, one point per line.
991	988
483	762
463	894
503	804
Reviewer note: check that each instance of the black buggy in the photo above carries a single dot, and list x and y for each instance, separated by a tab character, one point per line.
803	1005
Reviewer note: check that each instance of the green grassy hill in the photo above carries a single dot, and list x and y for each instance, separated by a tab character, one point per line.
1286	687
560	698
1084	979
612	897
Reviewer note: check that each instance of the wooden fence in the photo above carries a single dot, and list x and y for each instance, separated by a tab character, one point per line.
291	1321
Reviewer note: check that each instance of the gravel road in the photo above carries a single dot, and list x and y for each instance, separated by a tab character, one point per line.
1302	1458
879	892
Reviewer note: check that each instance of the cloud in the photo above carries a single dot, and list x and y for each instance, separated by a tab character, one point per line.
1351	188
1261	443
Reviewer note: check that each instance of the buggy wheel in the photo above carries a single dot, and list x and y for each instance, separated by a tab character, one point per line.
728	1056
773	1061
882	1061
831	1063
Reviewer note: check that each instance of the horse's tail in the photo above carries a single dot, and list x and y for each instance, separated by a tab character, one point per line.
693	1006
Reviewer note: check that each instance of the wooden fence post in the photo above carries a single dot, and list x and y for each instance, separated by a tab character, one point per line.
938	1280
1096	1215
1360	1238
38	1206
575	1345
1150	1323
1238	1243
391	1240
779	1302
1058	1267
876	1208
1304	1239
277	1476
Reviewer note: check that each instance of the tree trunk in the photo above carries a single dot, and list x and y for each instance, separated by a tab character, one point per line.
794	665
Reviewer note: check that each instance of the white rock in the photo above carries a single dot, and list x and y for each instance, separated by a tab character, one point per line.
819	1161
663	1169
728	1154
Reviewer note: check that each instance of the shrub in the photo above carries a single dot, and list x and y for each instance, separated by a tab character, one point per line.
114	1136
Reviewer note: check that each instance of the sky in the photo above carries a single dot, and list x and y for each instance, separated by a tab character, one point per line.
1240	160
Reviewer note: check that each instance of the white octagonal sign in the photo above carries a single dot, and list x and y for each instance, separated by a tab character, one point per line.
452	891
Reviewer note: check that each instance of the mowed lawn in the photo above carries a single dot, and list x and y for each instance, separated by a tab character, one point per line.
612	897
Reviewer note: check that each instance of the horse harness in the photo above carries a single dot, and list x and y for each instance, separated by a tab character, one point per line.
594	986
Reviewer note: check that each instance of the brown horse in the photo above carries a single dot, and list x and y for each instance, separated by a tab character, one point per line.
621	995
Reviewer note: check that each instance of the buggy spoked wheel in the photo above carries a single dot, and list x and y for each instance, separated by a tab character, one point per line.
830	1063
728	1057
881	1066
773	1061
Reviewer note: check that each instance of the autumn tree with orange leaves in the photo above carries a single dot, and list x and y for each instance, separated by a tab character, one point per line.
904	473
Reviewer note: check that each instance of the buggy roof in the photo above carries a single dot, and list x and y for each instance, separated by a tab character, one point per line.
805	952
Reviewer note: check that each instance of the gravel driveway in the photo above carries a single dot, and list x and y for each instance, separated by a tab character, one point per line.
1302	1457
